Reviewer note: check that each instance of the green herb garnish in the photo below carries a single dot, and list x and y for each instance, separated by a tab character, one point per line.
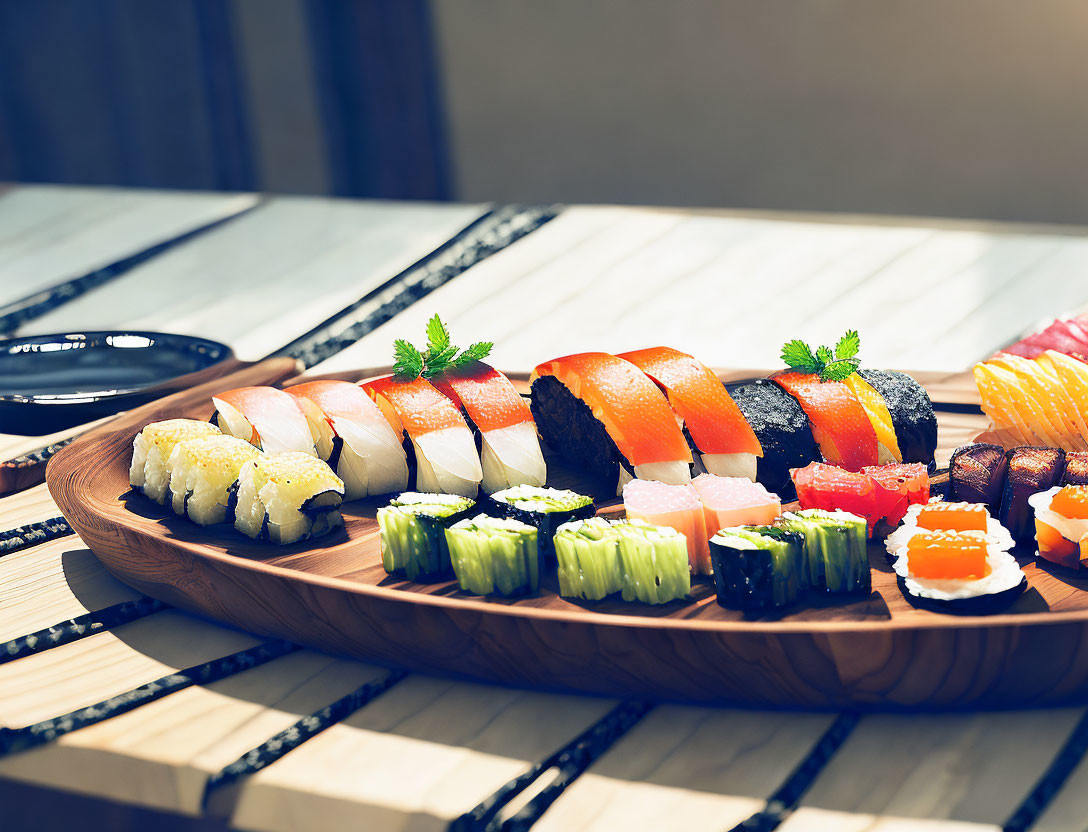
830	365
439	357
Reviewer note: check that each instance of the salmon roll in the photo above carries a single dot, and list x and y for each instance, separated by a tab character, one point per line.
713	423
353	437
149	472
509	448
840	424
204	477
783	430
287	497
446	461
266	417
605	415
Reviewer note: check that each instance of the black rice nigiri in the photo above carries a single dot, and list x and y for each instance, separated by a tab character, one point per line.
783	430
911	410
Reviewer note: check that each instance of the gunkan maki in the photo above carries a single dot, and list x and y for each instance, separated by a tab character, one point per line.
758	567
413	536
836	557
545	508
494	555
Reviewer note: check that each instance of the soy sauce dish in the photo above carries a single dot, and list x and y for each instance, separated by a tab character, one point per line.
52	382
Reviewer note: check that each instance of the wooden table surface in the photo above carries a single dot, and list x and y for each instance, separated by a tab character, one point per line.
280	271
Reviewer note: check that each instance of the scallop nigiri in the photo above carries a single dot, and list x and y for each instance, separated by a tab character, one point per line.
266	418
509	448
726	442
446	457
605	414
353	437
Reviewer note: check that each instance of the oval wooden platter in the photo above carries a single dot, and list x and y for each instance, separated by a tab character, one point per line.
332	594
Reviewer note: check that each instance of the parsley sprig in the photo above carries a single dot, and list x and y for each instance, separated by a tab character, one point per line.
439	357
830	365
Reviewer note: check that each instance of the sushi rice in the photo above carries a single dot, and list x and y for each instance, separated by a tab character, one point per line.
1005	575
204	477
288	497
151	449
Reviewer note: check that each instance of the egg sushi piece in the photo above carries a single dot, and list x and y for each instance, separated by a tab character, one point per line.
545	508
413	533
354	437
1061	524
509	448
835	550
734	501
605	415
287	497
726	443
783	430
840	425
1030	470
976	474
494	555
957	572
204	477
676	506
266	417
911	410
149	471
446	461
938	515
758	567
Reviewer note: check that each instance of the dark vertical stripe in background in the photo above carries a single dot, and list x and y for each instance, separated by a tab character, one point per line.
378	96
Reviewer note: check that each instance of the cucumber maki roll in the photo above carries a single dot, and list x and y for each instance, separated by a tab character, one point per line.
494	555
413	537
589	565
836	557
758	567
545	508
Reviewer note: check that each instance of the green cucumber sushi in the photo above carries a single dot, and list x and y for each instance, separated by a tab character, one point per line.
494	555
758	567
545	508
598	557
835	553
413	539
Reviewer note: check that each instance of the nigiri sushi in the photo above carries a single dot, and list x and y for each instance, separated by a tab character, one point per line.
783	430
509	448
265	417
204	476
149	472
726	443
353	437
840	424
1061	525
445	452
603	413
288	497
734	501
677	506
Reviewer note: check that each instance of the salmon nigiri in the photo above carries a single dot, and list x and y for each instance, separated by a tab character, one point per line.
509	448
265	417
605	414
353	437
446	458
727	444
840	424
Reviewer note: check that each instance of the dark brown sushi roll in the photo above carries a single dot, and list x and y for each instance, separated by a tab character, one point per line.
1030	470
911	410
1076	468
976	474
783	430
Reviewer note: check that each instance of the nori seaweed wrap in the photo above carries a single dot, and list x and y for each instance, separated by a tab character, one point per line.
494	555
976	474
413	537
758	567
545	508
912	413
1076	468
1030	470
782	429
568	425
836	555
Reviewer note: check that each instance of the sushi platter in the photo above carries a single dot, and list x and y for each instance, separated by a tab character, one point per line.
784	603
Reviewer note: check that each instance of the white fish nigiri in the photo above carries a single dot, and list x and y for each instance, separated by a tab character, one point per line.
369	456
266	418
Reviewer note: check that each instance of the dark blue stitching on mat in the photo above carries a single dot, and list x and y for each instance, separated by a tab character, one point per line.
17	313
39	455
23	537
20	739
571	760
490	233
79	627
1052	780
291	738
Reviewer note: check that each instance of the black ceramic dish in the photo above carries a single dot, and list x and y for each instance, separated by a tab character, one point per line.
52	382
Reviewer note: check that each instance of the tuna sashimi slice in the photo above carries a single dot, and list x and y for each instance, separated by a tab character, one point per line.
734	501
677	506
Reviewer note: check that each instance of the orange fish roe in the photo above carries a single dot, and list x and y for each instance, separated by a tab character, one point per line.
945	554
953	517
1071	501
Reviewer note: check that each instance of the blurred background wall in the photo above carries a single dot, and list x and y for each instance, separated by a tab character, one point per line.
972	108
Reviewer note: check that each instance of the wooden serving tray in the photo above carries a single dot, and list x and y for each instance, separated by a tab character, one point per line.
332	594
